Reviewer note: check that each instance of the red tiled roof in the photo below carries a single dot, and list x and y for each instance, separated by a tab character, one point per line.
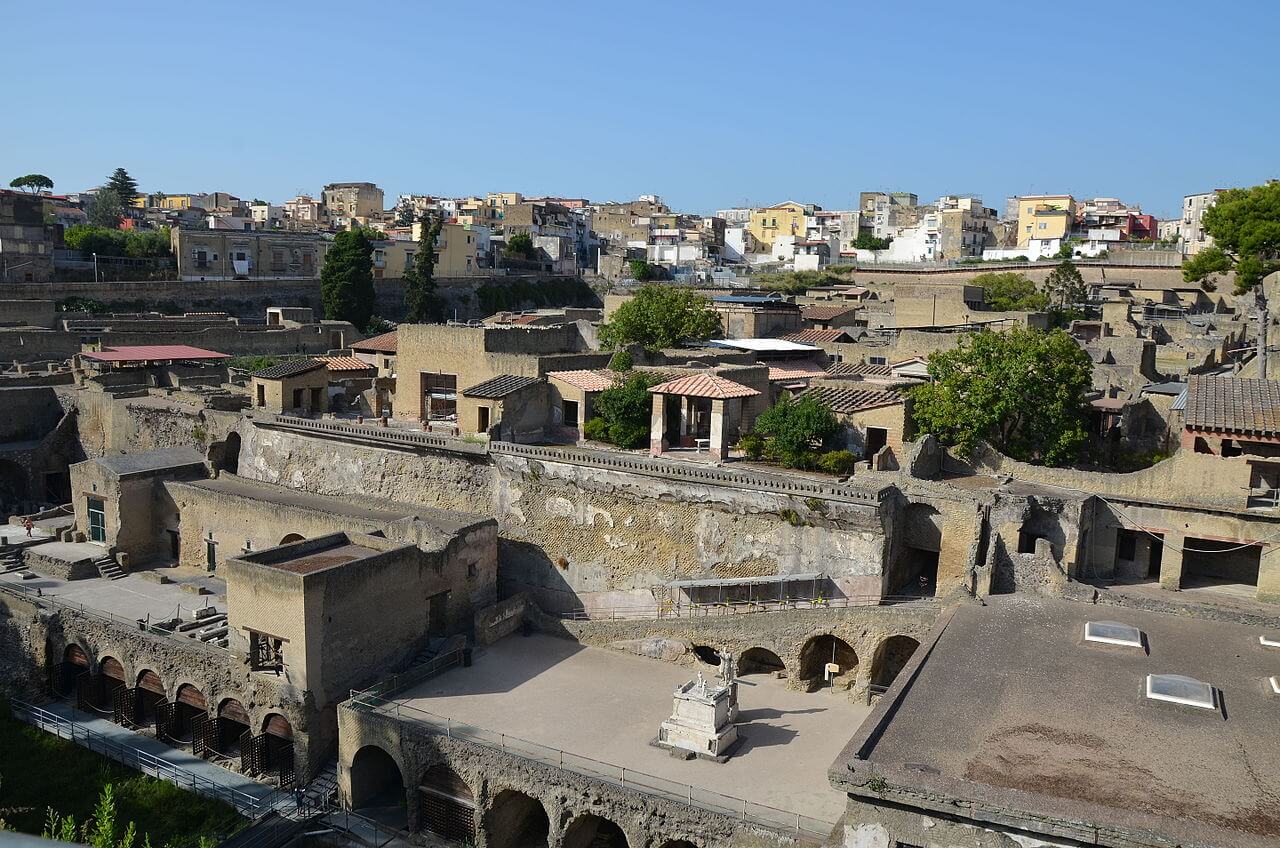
816	335
587	380
796	370
825	313
704	385
1233	405
847	401
385	343
858	370
152	353
344	363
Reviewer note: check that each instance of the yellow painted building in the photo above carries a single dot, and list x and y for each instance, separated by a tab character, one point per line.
1045	216
785	219
456	250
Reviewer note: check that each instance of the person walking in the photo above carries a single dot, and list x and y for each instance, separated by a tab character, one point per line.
28	525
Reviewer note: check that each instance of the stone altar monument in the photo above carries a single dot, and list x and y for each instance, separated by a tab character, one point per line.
702	719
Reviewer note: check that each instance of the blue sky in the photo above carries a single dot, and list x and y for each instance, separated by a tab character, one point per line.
707	104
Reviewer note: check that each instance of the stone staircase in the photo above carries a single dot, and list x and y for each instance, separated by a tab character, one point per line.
10	560
108	568
321	794
428	652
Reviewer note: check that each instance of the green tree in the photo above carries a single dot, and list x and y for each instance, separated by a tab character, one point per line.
421	303
1022	391
866	241
794	429
404	215
33	183
622	413
1010	291
346	280
107	209
641	271
1245	226
520	246
659	317
1066	292
125	186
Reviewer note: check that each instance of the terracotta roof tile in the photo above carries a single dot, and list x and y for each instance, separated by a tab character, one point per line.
846	401
704	385
587	380
796	370
858	370
1235	405
344	363
825	313
819	336
385	343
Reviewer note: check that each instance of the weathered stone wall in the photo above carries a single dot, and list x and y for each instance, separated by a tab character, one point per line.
108	424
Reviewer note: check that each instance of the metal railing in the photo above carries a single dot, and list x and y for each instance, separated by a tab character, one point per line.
397	683
393	435
641	612
147	763
738	809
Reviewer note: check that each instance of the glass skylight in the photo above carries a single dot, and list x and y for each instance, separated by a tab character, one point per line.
1113	633
1269	640
1181	690
1275	685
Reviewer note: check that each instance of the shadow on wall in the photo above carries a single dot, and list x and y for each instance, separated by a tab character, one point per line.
526	567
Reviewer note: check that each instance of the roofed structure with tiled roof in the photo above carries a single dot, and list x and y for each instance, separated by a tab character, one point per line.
805	369
845	401
385	343
857	371
288	368
705	386
588	380
499	387
344	363
818	335
826	313
1233	405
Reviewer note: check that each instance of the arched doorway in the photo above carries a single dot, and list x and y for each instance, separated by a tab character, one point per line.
150	693
225	455
232	725
824	649
377	787
759	661
111	684
277	741
290	538
891	656
516	821
189	709
706	654
916	570
592	831
75	662
446	805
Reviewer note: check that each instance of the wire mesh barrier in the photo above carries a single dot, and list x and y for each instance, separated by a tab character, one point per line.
739	809
146	763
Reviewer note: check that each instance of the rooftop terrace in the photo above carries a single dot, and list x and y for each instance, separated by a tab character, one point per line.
607	706
1013	717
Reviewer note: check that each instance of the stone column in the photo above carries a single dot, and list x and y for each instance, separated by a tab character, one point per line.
657	422
1171	561
719	431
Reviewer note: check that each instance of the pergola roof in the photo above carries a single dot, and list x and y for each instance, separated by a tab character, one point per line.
705	386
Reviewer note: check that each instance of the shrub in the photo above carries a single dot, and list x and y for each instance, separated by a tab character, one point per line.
838	462
752	445
596	429
625	410
794	428
620	361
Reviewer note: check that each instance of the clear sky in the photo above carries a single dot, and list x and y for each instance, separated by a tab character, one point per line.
708	104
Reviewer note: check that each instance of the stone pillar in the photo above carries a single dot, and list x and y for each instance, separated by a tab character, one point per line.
1171	561
657	423
719	431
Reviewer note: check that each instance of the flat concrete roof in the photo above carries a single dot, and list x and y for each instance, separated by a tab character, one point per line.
340	553
157	460
608	705
131	597
1010	715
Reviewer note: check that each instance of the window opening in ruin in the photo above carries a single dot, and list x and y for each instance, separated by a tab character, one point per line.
1027	542
266	652
482	419
877	438
570	413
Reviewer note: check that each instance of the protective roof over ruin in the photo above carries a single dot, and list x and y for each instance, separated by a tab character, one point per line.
1071	741
385	343
587	380
122	465
344	363
817	335
844	401
499	387
291	368
826	313
152	353
704	386
1233	405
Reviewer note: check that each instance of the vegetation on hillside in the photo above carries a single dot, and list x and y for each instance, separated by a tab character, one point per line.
108	241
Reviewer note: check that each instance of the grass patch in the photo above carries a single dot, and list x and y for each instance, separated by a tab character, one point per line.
39	770
252	363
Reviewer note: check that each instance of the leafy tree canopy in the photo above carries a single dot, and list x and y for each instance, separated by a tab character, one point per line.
125	186
520	245
1010	291
421	303
33	183
641	271
107	209
346	280
794	429
107	241
622	413
1067	293
1022	391
866	241
1245	226
659	317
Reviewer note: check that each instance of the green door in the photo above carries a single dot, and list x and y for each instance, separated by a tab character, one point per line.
97	520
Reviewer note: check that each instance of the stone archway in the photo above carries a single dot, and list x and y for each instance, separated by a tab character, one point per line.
290	538
75	662
759	661
820	650
516	820
446	805
591	831
890	658
377	787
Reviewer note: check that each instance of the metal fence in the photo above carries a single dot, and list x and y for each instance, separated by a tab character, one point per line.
739	809
641	612
147	763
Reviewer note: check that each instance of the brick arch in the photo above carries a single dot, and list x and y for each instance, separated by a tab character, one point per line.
377	778
593	830
516	818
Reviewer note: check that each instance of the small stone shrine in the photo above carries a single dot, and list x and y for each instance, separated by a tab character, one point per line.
702	720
